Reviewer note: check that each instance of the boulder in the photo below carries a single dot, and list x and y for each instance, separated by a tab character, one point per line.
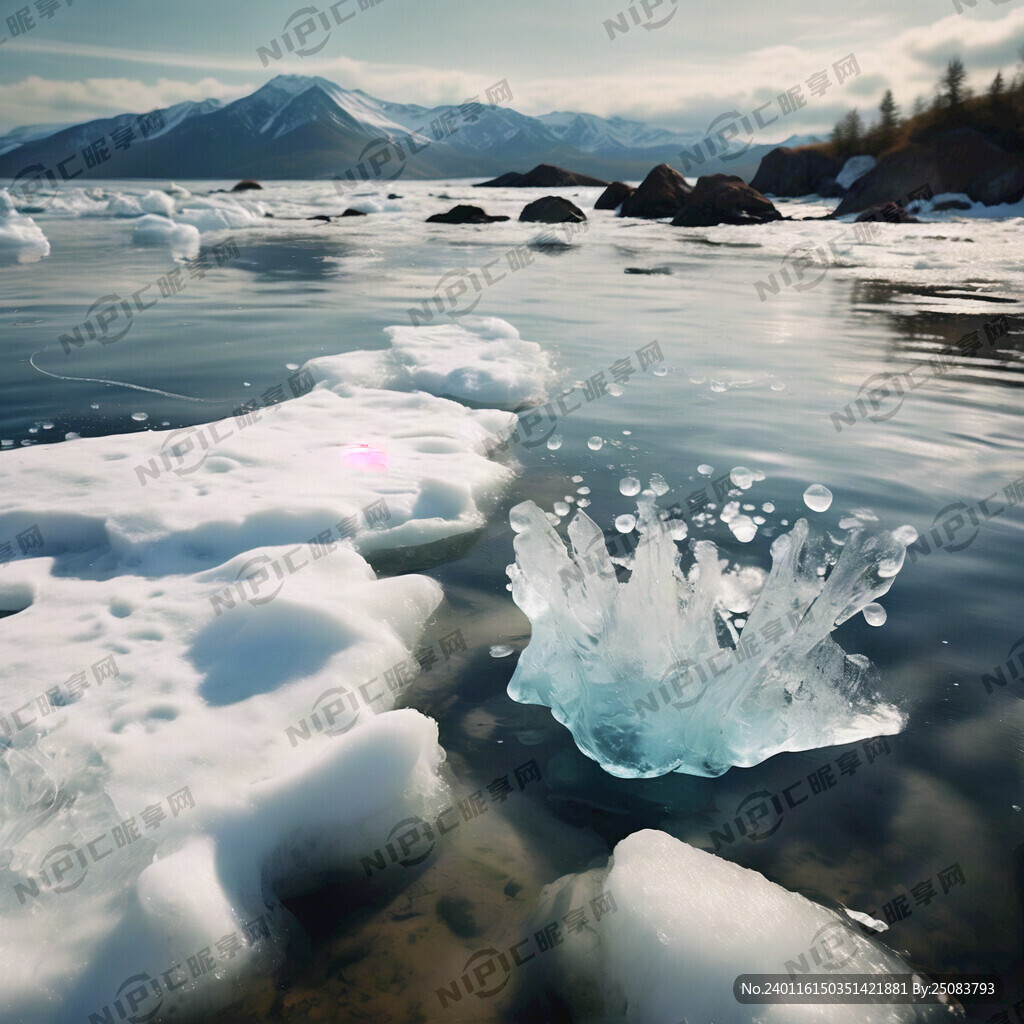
724	199
464	215
892	212
542	176
794	172
353	213
320	216
553	210
247	186
614	196
945	159
661	194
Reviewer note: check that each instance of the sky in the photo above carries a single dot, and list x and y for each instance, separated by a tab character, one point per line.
705	57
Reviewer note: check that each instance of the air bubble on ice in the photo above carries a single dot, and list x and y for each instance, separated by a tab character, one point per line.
629	486
659	485
705	470
875	615
817	498
140	417
742	477
743	528
614	390
555	442
595	444
660	371
501	651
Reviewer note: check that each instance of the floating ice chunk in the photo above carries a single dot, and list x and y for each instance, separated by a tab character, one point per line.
181	239
21	239
705	470
744	529
629	486
659	485
136	206
216	213
680	925
742	477
867	920
482	359
636	669
817	498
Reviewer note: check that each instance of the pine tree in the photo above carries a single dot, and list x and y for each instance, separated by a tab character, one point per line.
952	83
889	119
997	91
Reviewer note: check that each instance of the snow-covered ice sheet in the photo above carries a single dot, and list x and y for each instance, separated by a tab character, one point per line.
181	500
480	359
640	673
682	925
148	687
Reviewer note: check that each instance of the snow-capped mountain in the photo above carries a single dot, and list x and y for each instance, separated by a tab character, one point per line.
308	127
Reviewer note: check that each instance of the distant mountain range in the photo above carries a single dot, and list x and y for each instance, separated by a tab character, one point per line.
309	128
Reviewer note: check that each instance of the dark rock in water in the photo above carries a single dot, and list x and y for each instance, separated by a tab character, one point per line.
464	215
724	199
320	216
32	209
268	215
829	188
553	210
661	194
951	204
353	213
542	176
648	270
614	196
892	212
394	195
796	172
940	159
247	186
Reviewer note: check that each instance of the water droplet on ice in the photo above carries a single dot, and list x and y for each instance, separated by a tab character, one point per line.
625	524
777	385
501	650
47	426
817	498
614	390
291	366
595	444
629	486
705	470
660	371
555	442
140	417
743	529
874	615
659	484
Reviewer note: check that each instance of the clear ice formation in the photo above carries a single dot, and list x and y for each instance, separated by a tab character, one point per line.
649	675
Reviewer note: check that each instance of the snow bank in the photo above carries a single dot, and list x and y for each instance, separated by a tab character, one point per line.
686	924
21	239
854	168
137	206
479	359
637	672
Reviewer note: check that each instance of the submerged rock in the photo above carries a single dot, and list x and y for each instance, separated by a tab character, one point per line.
725	199
464	215
353	213
248	185
614	196
553	210
661	194
542	176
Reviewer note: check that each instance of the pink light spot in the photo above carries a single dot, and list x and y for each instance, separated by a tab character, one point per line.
362	456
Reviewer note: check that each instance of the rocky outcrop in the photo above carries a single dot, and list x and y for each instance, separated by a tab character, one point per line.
891	212
353	213
796	172
464	215
614	196
724	199
247	186
943	159
542	176
661	194
553	210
